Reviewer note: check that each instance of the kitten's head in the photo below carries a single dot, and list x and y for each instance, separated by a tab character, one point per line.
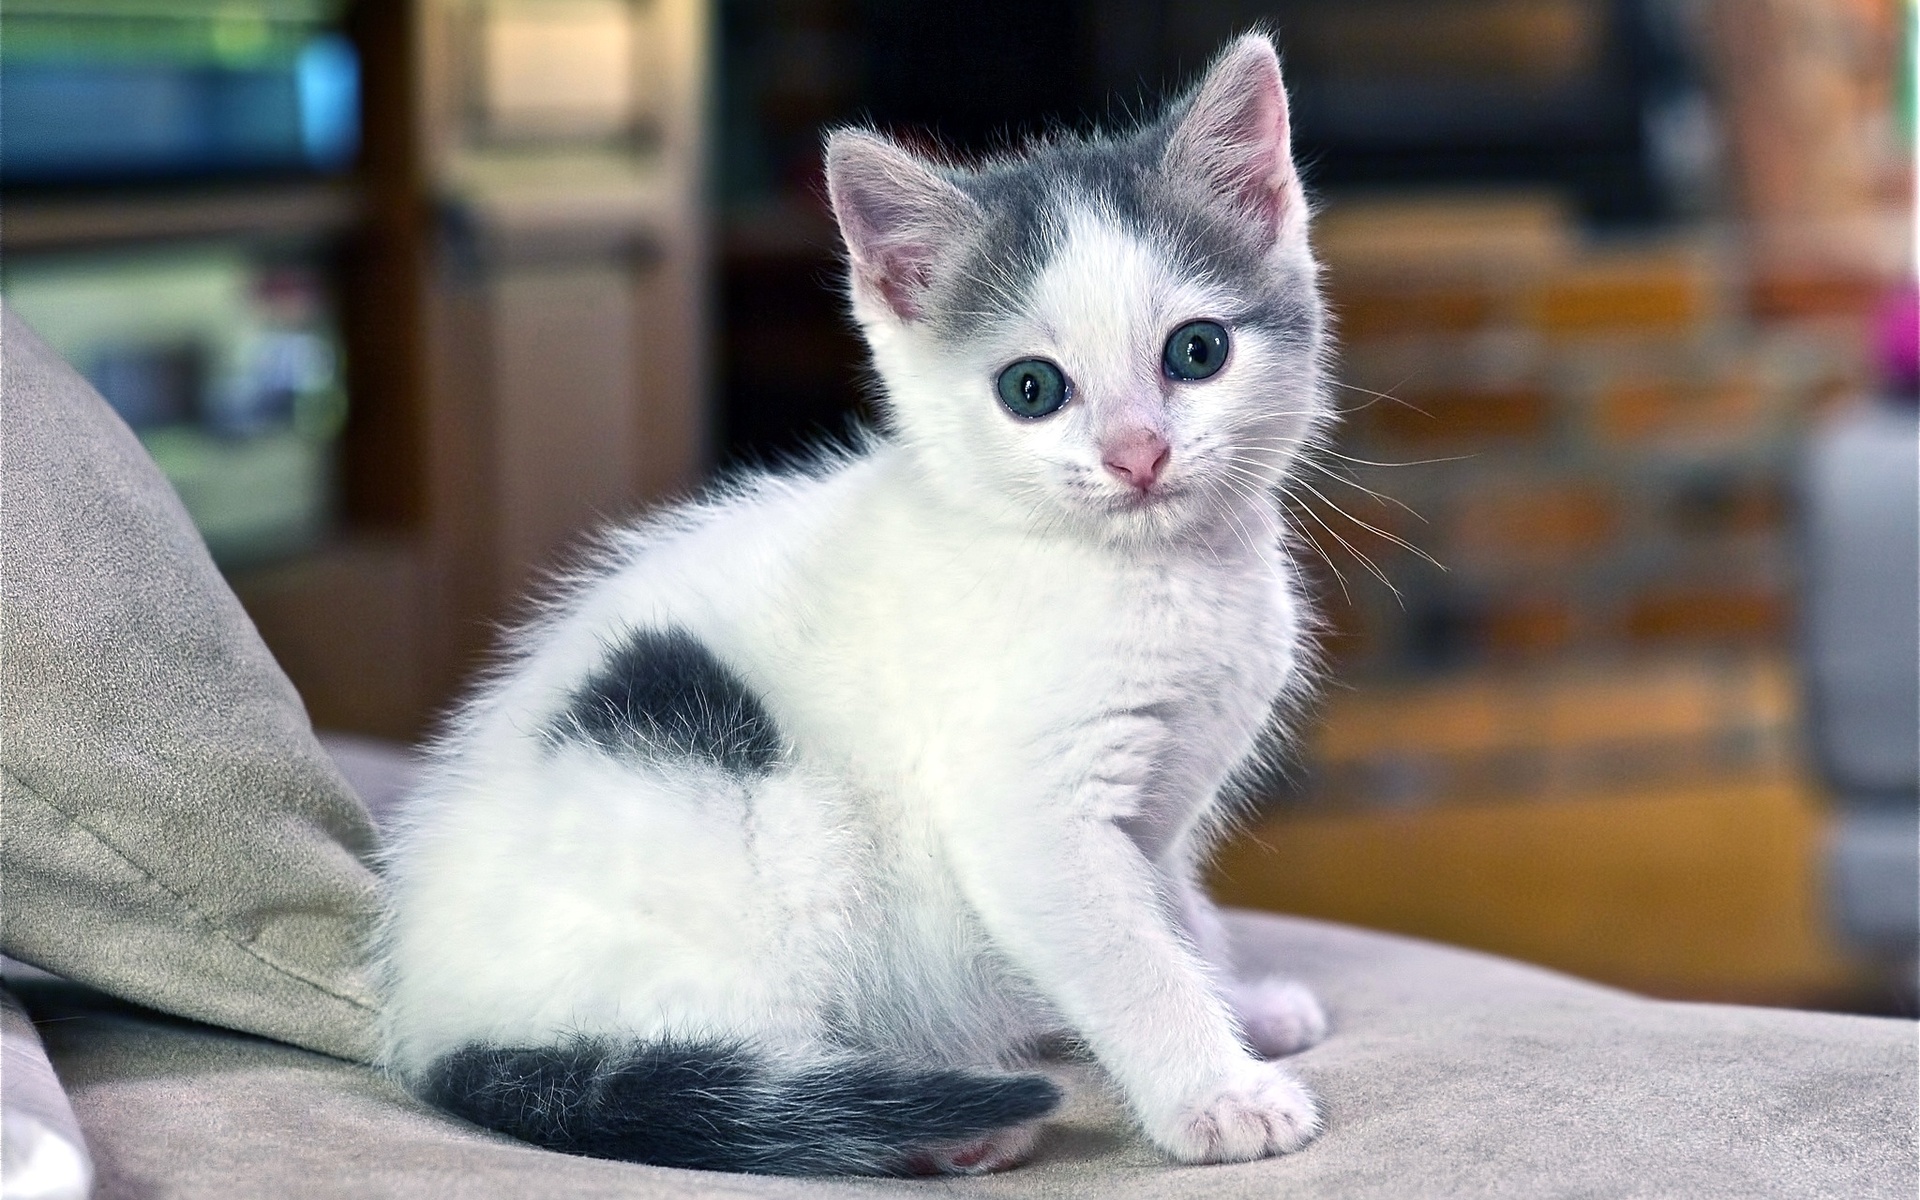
1120	335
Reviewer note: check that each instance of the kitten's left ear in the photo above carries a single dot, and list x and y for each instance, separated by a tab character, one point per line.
898	217
1234	138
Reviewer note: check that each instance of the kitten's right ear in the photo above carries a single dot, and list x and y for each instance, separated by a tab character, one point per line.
1235	139
897	215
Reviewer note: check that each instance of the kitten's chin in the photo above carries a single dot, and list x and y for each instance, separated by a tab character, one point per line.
1125	520
1159	505
1192	511
1141	518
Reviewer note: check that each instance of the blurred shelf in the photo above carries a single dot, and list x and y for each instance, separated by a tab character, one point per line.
1705	892
300	209
522	312
562	204
1570	729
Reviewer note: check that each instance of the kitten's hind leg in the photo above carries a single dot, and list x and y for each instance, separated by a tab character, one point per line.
998	1151
1277	1016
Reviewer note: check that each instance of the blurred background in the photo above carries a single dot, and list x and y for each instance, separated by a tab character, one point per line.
1618	566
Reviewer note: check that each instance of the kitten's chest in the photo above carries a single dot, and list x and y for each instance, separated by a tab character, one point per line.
1158	634
996	644
1201	655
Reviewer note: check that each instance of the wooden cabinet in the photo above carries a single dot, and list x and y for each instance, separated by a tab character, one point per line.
522	278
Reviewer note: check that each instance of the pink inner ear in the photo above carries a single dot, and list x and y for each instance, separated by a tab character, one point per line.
896	216
901	285
898	271
1235	135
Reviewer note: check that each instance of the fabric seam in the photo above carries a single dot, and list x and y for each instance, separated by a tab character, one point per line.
216	926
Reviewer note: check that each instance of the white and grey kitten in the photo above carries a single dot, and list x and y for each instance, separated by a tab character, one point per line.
795	827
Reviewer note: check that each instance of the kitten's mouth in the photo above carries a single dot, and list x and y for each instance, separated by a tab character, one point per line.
1134	500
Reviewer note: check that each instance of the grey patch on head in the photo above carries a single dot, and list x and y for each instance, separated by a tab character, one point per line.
1025	199
662	693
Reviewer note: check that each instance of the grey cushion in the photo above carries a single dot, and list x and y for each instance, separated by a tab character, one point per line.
173	834
1448	1073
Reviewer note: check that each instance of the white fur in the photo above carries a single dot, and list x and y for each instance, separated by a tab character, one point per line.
1013	693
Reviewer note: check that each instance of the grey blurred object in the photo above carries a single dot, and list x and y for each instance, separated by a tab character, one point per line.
42	1155
1860	499
381	771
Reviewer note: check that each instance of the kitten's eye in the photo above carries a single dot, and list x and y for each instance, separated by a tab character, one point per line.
1032	388
1196	350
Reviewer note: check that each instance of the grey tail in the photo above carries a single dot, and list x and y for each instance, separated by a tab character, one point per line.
724	1107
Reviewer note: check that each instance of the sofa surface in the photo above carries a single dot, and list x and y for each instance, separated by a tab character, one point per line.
1448	1073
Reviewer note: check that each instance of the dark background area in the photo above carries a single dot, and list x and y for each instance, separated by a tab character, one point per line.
1386	95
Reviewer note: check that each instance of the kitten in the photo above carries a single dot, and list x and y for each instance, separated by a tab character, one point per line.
796	825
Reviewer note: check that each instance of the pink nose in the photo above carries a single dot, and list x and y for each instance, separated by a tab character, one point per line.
1138	456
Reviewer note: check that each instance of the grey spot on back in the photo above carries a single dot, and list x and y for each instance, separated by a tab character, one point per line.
662	693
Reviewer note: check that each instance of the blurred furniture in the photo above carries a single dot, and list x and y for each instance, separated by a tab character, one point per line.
1579	743
172	177
1645	825
519	261
1860	548
530	325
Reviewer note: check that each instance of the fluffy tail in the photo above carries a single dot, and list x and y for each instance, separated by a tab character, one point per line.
724	1107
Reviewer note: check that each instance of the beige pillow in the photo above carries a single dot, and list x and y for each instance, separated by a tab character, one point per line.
170	832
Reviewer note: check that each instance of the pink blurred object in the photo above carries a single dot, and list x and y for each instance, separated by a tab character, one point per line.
1899	341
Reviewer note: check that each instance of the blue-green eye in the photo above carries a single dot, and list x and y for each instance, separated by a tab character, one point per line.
1196	350
1032	388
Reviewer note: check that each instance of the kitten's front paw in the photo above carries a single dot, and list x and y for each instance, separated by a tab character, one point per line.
1279	1016
1259	1111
